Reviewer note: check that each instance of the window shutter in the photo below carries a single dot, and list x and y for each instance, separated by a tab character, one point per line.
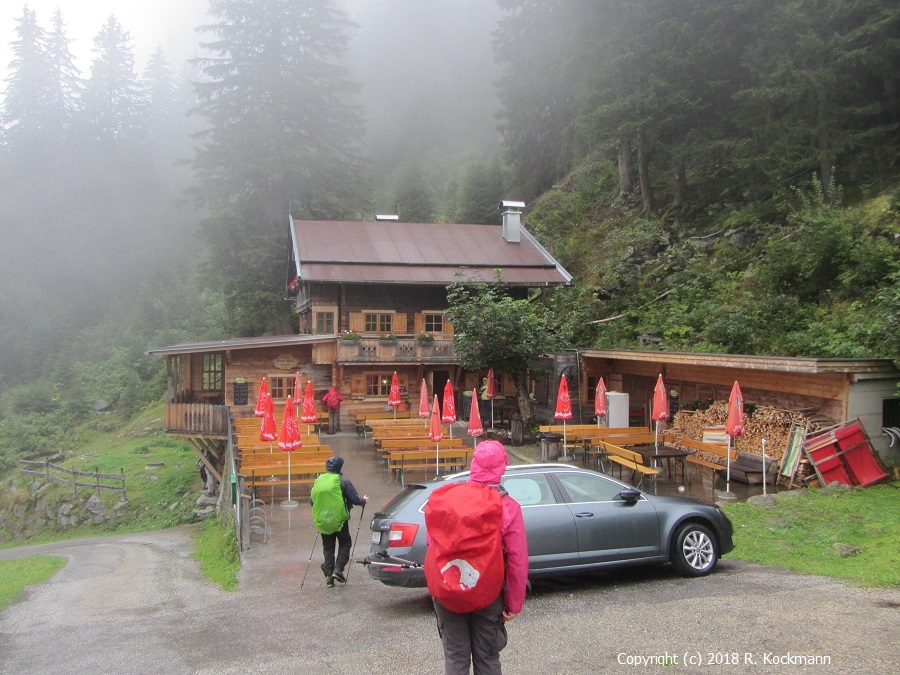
448	326
419	323
399	323
357	322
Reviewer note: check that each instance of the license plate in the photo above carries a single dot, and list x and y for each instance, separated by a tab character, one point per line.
376	537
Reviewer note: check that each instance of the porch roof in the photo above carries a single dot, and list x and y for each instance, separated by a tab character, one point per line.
241	343
790	364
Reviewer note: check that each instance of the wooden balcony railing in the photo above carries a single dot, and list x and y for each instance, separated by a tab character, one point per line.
374	350
197	419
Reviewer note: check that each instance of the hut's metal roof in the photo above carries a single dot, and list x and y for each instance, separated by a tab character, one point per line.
418	253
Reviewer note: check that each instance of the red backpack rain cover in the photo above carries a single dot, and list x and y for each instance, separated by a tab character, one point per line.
464	563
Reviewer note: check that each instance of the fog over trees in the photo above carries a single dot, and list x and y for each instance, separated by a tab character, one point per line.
147	203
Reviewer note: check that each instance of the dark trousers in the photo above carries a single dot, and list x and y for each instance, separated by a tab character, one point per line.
473	639
344	541
334	420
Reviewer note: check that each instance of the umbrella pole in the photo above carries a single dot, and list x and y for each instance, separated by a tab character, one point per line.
656	438
764	467
289	503
564	455
437	459
728	468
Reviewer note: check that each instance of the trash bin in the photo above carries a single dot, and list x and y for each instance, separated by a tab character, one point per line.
550	447
516	430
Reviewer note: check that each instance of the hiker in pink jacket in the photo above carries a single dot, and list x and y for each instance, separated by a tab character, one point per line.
476	638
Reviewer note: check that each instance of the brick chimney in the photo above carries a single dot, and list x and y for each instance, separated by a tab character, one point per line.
512	220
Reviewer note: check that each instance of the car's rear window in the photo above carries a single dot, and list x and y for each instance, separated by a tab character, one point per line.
398	502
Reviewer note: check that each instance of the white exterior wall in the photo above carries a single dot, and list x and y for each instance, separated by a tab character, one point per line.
865	401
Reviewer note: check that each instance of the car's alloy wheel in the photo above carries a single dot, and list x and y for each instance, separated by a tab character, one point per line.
695	552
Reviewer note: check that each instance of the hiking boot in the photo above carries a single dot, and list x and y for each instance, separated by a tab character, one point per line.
330	582
339	576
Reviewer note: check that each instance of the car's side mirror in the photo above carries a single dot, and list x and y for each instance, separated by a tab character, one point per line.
630	496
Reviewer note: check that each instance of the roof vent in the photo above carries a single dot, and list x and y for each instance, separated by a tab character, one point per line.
512	220
380	217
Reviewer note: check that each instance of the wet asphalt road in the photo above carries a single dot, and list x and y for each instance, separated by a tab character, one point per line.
138	604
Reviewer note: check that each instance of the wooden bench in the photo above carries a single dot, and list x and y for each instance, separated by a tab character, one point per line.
260	459
579	437
381	435
631	460
593	447
364	418
301	473
720	451
424	444
455	459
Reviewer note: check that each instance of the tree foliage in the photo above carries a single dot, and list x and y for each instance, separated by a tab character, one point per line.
495	330
282	138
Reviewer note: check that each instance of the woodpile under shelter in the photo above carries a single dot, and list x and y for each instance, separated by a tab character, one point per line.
827	390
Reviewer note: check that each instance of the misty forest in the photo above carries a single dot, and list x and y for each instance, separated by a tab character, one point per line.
718	176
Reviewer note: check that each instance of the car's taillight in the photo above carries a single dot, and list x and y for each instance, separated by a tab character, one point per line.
402	534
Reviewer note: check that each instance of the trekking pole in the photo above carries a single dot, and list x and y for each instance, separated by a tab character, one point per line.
356	538
309	562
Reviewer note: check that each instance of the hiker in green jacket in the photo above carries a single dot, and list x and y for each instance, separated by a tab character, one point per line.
332	496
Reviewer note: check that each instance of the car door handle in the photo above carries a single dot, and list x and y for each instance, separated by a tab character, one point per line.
584	514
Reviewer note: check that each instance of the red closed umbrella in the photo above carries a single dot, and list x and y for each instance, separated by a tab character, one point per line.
424	412
298	389
660	407
734	427
449	413
394	395
267	430
308	411
563	407
260	396
289	440
600	409
436	432
476	428
490	392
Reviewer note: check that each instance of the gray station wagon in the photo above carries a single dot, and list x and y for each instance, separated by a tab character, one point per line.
576	519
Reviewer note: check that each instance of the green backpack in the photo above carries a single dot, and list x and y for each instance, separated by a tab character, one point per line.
329	510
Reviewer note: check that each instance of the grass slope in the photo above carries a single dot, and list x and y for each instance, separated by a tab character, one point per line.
848	534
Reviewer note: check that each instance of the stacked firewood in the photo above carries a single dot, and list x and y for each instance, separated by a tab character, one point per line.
771	424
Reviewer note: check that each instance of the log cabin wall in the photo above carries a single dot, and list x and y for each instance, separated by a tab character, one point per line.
354	298
254	364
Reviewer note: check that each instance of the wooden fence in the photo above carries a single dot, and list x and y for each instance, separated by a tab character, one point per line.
51	472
